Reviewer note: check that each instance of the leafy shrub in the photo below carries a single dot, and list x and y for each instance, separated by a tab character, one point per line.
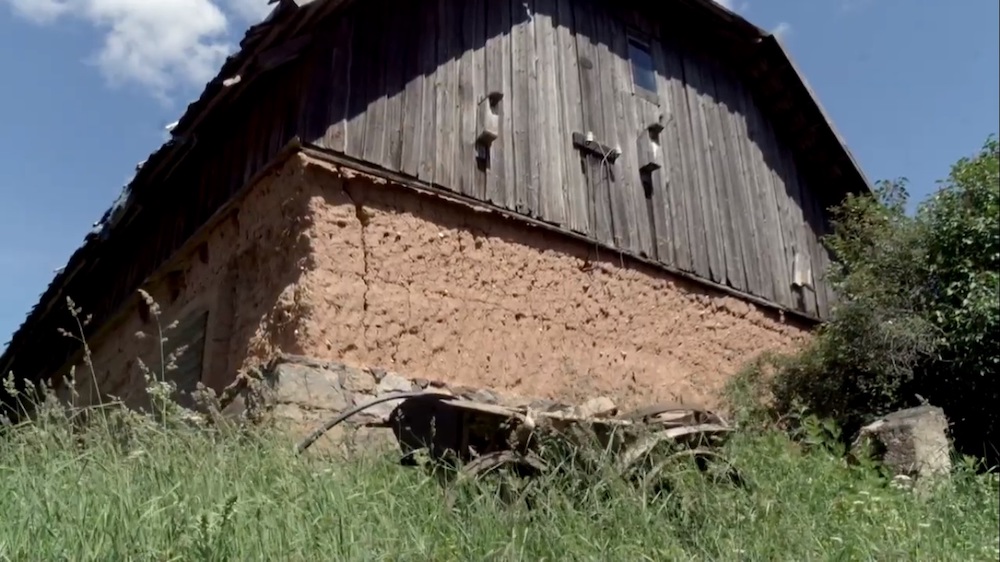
917	316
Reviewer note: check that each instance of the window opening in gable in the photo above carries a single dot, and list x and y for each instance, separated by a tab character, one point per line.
641	59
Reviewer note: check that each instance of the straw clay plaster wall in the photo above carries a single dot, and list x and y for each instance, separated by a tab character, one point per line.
439	291
244	272
322	264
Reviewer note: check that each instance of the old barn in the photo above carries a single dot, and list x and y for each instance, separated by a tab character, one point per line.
551	197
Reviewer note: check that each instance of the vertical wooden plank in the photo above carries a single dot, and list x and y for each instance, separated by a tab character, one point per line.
468	97
650	199
247	128
646	212
479	86
359	88
571	118
823	228
281	111
745	188
763	238
673	236
500	175
340	79
522	60
724	179
704	181
295	106
446	99
606	62
315	118
259	134
782	201
813	231
775	247
376	66
536	138
431	29
418	56
400	41
599	179
802	249
550	158
593	119
586	50
632	227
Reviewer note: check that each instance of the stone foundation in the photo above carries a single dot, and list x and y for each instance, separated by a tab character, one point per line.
300	393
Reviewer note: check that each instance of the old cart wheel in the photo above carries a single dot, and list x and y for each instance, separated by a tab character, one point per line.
662	472
657	459
509	472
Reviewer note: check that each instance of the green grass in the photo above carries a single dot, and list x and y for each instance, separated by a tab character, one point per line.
193	495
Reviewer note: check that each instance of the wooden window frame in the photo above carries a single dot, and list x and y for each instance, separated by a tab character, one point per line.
639	41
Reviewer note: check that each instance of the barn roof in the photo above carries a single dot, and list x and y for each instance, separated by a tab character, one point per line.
776	77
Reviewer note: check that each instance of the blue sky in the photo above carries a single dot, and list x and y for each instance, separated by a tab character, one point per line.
89	85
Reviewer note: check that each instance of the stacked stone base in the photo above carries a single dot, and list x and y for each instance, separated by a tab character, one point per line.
298	394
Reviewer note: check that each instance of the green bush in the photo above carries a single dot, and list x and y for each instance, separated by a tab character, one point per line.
917	315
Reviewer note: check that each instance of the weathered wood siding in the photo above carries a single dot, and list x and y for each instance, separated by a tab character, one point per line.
692	175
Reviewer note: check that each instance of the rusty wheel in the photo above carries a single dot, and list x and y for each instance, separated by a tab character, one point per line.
509	473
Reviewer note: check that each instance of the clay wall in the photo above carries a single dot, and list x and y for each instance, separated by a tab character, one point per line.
242	271
443	292
314	263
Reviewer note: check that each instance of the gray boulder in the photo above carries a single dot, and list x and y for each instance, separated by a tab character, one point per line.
912	443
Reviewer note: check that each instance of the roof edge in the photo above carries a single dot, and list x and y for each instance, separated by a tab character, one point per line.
166	156
783	52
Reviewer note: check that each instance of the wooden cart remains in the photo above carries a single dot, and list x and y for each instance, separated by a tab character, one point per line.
477	438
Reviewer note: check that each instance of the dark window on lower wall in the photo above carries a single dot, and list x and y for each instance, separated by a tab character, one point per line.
641	59
186	346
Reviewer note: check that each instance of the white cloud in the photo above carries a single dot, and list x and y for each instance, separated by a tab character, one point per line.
252	11
39	11
782	30
733	5
160	45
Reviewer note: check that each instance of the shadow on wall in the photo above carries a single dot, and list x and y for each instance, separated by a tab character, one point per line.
351	119
244	274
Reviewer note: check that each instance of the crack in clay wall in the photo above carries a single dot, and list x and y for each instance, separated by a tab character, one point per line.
315	262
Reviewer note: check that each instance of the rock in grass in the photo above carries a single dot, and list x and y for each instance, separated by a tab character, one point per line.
912	443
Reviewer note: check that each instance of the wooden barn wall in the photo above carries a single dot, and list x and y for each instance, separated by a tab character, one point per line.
719	194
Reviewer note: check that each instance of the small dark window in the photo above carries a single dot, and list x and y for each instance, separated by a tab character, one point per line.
643	71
